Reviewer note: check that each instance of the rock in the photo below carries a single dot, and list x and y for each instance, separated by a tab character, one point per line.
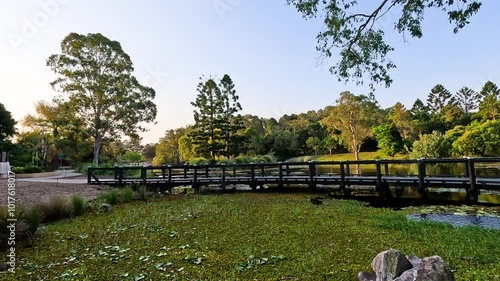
366	276
390	264
106	207
434	268
414	260
4	266
408	275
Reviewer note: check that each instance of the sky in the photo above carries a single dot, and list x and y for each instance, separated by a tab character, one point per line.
267	48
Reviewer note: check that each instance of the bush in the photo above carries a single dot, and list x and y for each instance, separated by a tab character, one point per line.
111	197
84	167
77	205
33	218
55	209
199	161
26	170
127	194
142	193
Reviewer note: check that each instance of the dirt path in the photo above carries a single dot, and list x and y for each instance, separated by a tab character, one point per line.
28	193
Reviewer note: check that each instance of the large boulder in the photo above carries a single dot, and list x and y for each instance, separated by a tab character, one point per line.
366	276
390	264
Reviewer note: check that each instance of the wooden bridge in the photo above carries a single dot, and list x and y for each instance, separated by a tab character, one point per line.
385	177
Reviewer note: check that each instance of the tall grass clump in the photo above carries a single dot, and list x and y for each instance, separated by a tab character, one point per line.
111	197
127	194
55	209
77	205
142	193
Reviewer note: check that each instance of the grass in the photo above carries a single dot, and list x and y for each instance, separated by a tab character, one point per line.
251	236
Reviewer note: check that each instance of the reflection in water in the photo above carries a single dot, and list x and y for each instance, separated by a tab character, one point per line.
460	220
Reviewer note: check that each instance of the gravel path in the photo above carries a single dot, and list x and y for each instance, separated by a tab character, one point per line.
28	193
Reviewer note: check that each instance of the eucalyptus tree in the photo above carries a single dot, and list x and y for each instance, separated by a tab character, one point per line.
351	27
354	116
94	77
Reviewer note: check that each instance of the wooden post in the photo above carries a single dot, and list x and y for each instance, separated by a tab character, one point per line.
143	175
280	184
170	175
347	170
312	173
287	169
206	171
386	169
185	170
163	170
343	188
120	176
421	178
252	173
223	185
379	178
472	192
195	177
116	172
89	174
262	173
234	170
466	162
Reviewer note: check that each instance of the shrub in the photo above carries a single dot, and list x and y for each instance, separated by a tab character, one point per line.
111	197
127	194
77	205
199	161
55	209
84	167
142	193
33	217
26	170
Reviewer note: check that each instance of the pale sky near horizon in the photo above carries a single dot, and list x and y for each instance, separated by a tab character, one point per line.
265	46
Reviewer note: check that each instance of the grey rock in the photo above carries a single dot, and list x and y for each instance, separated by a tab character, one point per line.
3	266
434	268
390	264
408	275
106	207
414	260
366	276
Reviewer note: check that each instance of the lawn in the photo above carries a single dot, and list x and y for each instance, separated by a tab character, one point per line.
344	156
245	236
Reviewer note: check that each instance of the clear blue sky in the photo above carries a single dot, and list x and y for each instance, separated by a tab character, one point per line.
265	46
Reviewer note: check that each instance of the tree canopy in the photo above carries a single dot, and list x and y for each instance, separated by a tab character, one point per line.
94	77
350	28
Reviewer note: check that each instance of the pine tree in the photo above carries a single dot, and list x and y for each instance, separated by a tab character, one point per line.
467	99
438	98
231	122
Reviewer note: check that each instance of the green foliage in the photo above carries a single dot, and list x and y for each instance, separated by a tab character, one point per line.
84	167
142	193
127	194
389	140
54	209
167	151
438	98
480	139
198	161
27	170
467	99
217	122
110	197
130	156
430	146
351	28
7	124
354	117
95	75
77	205
214	238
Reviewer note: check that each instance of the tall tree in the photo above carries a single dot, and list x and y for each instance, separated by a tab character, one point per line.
231	120
354	117
438	98
403	121
467	99
489	88
350	27
209	105
94	76
7	127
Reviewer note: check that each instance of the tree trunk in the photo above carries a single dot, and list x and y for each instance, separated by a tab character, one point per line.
97	148
356	154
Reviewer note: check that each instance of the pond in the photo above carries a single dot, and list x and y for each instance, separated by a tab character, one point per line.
448	169
460	220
